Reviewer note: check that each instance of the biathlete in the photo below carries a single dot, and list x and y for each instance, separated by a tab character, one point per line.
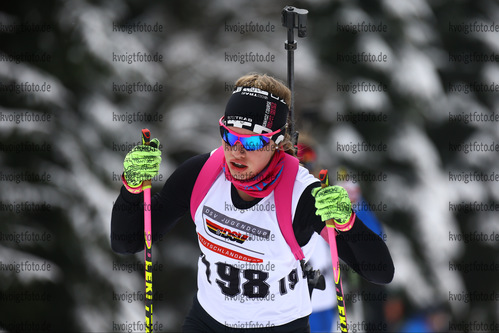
249	278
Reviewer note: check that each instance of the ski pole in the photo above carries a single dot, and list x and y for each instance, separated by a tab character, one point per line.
331	232
293	18
146	187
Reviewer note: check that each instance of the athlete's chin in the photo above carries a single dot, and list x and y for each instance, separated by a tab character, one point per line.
240	175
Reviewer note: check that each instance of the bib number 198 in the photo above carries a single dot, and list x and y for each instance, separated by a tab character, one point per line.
254	281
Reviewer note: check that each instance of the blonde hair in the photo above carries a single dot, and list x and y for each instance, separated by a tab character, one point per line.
277	88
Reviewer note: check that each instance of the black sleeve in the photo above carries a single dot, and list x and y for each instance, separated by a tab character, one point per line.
167	207
362	249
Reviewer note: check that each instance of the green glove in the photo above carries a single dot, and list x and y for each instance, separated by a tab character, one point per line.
332	202
142	163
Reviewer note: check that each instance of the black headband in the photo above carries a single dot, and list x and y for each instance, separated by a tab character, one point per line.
256	110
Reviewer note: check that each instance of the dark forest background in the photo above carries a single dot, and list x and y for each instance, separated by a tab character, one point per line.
60	163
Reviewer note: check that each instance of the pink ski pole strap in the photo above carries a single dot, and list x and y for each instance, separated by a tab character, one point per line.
324	231
343	227
134	190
